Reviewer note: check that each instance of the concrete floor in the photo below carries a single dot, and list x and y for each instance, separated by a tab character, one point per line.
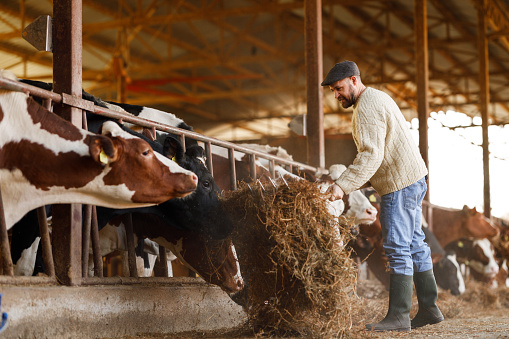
186	304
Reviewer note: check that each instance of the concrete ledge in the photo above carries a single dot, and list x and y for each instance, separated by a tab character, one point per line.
114	311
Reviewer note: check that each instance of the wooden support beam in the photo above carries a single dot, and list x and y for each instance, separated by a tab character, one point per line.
5	249
67	71
422	76
484	84
314	71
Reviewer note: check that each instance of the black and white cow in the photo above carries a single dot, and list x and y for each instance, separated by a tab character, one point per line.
200	212
445	265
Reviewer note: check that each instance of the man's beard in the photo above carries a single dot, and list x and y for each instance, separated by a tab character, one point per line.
348	101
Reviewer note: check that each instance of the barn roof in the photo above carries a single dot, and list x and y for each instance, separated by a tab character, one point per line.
240	65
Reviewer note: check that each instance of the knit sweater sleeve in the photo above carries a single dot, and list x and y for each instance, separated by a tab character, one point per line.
369	129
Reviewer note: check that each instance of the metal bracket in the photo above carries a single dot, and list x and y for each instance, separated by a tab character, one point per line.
78	102
39	33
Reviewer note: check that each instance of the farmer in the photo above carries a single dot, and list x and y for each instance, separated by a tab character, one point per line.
389	159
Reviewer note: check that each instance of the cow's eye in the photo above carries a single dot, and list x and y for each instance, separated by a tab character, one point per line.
147	152
206	184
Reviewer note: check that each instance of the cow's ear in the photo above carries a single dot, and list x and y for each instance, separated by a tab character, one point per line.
148	134
173	149
245	158
103	150
195	151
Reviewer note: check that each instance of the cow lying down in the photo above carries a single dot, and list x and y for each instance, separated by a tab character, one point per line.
44	159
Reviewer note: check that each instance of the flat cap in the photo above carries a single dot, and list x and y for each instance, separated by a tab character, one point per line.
341	70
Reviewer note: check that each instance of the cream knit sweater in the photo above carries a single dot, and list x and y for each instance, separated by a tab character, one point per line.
387	155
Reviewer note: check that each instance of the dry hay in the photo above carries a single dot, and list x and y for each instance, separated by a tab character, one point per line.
300	280
482	295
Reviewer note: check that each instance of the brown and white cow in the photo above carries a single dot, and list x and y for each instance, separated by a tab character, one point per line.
452	224
44	159
479	256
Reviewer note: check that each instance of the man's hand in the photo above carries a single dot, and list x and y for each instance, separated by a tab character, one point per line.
335	192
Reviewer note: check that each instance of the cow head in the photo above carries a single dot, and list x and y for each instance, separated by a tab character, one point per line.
214	260
132	159
360	208
478	254
477	225
482	258
448	275
201	211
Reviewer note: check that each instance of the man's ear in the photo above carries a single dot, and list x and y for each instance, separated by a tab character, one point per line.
103	150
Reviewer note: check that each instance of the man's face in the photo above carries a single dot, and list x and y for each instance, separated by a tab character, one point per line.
344	92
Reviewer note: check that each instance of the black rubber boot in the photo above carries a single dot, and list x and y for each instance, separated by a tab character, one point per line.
400	301
427	293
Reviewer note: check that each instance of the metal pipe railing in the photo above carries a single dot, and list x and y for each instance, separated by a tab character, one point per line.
152	125
89	106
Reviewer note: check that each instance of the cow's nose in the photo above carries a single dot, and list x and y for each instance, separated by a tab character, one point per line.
195	179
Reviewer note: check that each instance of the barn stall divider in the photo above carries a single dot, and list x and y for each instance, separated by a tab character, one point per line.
100	306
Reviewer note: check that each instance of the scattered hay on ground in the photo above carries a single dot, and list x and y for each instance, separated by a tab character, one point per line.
300	280
481	294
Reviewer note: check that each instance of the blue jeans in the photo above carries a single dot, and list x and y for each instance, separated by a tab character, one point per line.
403	238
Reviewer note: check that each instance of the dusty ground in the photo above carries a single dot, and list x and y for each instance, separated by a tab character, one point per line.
478	313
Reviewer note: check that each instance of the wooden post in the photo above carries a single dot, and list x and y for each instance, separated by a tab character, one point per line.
161	264
422	78
233	173
5	249
484	96
131	254
96	247
67	73
85	239
47	254
314	70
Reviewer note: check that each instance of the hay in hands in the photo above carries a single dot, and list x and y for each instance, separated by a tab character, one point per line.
300	279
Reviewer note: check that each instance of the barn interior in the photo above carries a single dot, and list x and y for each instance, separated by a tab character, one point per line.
236	70
243	71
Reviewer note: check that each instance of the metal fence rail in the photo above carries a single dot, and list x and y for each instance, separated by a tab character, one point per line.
89	106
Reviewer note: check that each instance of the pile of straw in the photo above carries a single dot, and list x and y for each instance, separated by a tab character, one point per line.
300	280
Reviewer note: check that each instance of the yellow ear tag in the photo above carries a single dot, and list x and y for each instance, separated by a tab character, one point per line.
460	244
174	159
103	158
372	198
